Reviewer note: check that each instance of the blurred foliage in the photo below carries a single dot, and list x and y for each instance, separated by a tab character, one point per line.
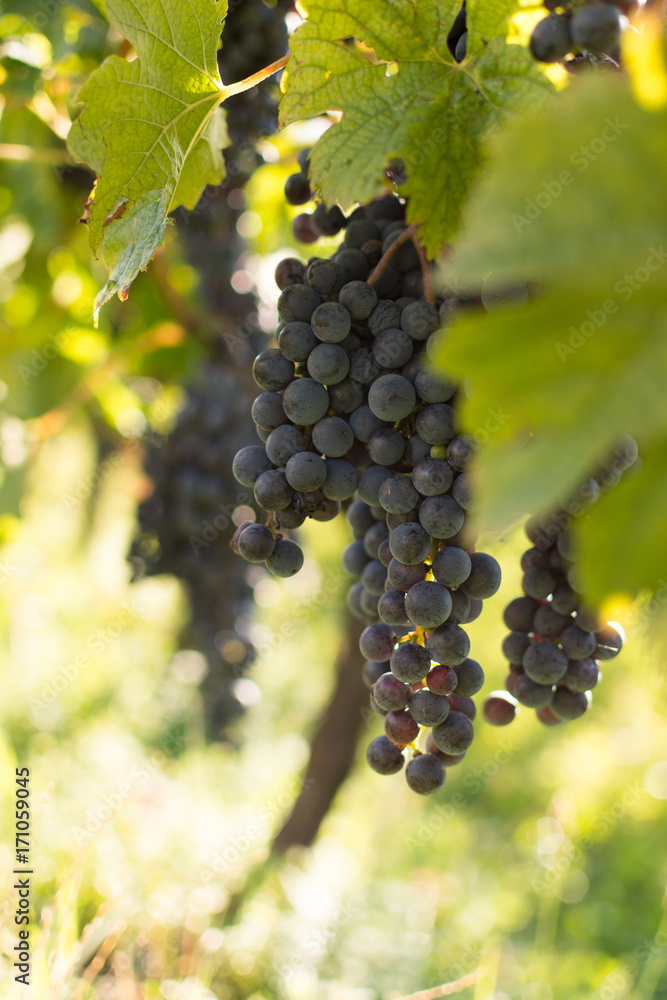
528	864
584	361
544	860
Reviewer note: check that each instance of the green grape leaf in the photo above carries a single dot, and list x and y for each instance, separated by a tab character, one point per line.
586	359
638	500
153	124
565	216
402	95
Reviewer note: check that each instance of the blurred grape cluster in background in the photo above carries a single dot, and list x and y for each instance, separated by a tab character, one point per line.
541	868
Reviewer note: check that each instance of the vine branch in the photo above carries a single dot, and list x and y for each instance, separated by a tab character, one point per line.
28	154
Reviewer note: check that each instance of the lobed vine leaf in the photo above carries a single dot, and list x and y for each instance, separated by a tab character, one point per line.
402	95
151	125
586	359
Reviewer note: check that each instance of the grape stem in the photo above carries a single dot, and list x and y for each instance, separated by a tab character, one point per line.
408	234
385	259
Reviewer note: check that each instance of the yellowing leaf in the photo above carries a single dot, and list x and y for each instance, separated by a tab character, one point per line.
151	125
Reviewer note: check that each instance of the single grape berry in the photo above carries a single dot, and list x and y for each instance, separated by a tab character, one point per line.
286	559
499	708
377	642
568	705
544	662
425	774
391	397
470	678
401	728
596	27
249	464
441	679
297	189
410	662
527	692
391	694
455	734
410	544
383	756
256	543
550	40
427	708
428	604
449	645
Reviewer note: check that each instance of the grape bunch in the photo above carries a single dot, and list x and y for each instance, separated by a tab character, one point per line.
184	528
351	412
557	641
592	30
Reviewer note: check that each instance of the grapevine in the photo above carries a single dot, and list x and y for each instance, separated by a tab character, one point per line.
364	404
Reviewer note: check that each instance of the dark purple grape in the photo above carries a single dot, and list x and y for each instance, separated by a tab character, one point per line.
401	728
425	774
391	694
499	709
383	756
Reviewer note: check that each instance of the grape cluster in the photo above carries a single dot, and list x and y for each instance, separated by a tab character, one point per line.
557	641
593	29
185	525
351	411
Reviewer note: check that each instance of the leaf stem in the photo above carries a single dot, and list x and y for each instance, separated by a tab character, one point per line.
252	81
